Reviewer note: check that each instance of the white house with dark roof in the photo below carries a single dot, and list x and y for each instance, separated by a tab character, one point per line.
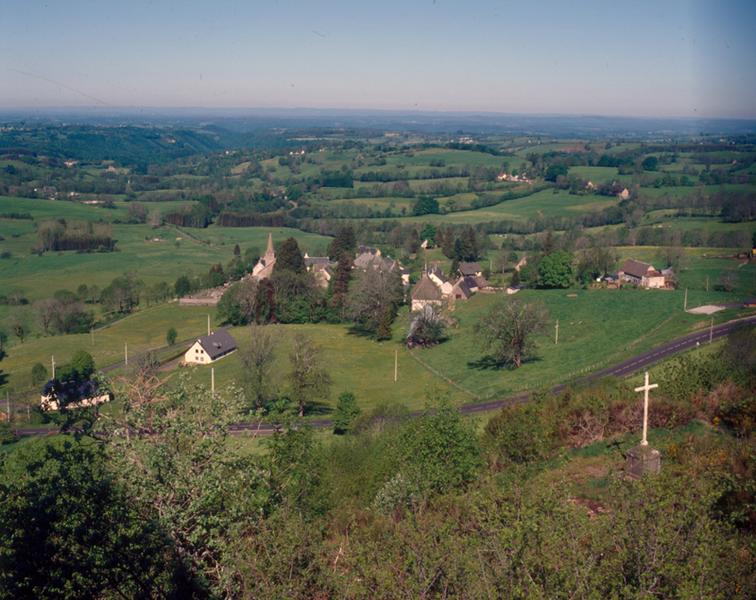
209	348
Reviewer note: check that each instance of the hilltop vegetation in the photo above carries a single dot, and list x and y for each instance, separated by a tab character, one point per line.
393	493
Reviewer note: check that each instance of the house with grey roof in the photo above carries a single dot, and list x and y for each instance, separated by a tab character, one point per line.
470	269
209	348
426	293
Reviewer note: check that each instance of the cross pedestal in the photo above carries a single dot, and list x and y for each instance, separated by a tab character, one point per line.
643	459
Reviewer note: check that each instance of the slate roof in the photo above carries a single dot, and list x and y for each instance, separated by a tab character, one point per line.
636	268
426	289
461	289
438	273
469	268
217	344
317	261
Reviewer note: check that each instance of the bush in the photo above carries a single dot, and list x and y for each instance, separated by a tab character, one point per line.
346	412
38	374
518	435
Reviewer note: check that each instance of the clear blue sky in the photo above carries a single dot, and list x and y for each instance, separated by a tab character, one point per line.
636	57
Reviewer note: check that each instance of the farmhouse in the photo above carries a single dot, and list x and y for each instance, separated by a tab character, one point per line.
470	269
264	267
321	267
443	283
371	258
460	291
642	274
73	393
426	293
210	348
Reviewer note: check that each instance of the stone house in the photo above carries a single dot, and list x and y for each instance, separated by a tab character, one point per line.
641	274
426	293
470	269
443	282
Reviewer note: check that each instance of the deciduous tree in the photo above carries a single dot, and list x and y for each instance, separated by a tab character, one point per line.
509	327
308	379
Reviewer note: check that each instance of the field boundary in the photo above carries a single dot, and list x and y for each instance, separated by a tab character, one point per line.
451	382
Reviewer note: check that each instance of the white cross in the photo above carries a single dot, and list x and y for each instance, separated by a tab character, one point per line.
645	389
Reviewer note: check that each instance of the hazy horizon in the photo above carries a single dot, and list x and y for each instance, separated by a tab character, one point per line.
674	60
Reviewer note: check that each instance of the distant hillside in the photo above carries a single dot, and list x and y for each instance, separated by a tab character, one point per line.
125	145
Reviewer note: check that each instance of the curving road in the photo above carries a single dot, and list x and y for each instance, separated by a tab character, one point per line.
627	367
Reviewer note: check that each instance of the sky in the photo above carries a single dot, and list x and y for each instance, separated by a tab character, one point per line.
661	58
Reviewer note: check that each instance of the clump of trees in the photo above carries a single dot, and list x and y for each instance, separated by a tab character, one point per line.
63	313
373	300
508	330
427	328
63	235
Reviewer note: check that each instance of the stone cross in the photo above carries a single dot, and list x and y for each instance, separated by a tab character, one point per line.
645	388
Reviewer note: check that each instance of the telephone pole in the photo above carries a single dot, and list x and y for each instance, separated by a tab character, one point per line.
396	365
212	381
126	353
556	333
208	324
711	330
52	358
685	302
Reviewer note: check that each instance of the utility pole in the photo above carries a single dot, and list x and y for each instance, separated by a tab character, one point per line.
212	381
556	333
126	353
53	366
707	283
7	404
685	302
208	324
396	365
711	330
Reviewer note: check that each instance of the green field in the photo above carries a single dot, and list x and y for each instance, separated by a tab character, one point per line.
356	364
597	328
155	255
551	203
597	174
141	331
56	209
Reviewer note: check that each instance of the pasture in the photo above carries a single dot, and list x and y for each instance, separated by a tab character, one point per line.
597	328
142	331
155	255
355	363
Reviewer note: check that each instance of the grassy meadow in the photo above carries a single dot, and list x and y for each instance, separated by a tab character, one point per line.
597	328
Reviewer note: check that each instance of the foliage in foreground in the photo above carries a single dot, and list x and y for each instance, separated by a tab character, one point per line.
161	502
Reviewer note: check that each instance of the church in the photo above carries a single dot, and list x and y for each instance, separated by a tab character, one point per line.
264	267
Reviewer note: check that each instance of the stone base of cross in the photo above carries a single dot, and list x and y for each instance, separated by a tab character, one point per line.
642	460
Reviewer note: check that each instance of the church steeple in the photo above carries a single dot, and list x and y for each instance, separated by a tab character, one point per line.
269	252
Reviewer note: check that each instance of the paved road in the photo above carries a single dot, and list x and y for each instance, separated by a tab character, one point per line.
627	367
